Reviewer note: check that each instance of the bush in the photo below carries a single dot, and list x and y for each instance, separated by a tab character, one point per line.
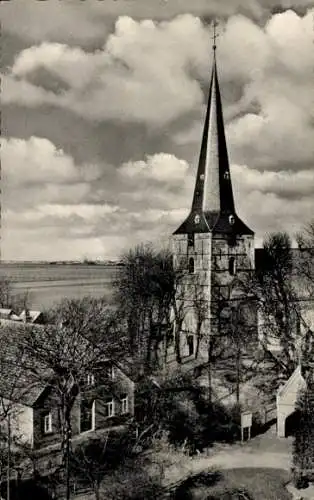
185	491
132	482
303	445
181	410
299	480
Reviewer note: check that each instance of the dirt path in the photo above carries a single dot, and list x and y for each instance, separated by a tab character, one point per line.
267	451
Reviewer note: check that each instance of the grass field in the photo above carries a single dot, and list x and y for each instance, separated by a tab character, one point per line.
27	273
46	285
255	484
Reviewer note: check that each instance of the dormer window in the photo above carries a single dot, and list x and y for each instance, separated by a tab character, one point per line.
231	220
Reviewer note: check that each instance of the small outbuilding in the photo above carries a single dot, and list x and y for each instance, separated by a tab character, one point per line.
286	400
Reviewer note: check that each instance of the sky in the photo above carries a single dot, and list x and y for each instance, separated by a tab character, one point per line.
102	109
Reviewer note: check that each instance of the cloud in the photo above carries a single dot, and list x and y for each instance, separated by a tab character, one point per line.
273	201
286	184
135	107
271	125
161	168
36	173
48	197
154	197
69	21
140	63
38	161
145	62
86	22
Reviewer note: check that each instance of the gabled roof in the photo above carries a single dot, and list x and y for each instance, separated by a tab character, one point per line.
288	393
31	316
16	384
5	312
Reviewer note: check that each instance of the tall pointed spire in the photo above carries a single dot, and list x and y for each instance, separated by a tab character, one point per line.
213	202
213	189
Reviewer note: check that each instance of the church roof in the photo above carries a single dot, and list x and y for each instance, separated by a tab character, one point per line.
213	201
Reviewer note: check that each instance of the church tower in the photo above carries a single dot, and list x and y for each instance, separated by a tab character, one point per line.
213	246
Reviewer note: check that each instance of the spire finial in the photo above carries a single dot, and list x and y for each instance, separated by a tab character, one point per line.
215	34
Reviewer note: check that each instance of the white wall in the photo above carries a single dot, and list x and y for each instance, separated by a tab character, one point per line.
21	420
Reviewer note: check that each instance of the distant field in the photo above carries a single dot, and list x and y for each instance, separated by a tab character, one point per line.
18	273
47	284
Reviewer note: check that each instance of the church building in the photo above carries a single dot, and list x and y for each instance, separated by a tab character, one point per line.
213	252
212	244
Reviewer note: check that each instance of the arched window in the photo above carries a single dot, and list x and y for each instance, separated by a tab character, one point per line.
231	220
191	265
232	266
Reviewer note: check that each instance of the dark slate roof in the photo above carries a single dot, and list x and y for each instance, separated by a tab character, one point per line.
214	136
214	222
15	383
213	200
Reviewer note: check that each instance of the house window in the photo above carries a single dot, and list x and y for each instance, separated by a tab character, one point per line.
232	266
190	342
191	240
90	379
191	265
47	423
109	408
110	373
125	404
87	415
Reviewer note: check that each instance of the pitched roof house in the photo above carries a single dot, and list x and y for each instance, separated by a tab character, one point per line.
35	317
105	398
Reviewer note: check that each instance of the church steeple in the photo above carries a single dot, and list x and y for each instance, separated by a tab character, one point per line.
213	203
213	189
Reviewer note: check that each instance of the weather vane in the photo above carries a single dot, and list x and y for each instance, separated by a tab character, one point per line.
215	34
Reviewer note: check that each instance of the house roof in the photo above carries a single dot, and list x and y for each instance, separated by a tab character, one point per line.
16	383
32	316
5	311
288	393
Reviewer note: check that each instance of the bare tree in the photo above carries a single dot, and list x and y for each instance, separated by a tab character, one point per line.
305	266
11	300
88	459
94	458
80	334
279	306
14	389
145	291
